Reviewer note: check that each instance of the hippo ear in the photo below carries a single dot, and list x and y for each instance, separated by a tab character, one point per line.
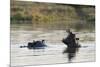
43	40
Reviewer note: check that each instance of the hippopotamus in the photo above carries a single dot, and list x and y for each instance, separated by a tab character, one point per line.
71	44
35	45
71	40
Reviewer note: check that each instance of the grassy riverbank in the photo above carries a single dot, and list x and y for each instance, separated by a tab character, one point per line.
53	15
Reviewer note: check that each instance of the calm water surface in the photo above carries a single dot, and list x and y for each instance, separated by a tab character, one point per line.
55	52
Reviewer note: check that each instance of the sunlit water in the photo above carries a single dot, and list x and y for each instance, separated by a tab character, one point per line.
55	52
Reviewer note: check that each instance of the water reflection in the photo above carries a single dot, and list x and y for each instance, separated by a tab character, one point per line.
71	53
21	35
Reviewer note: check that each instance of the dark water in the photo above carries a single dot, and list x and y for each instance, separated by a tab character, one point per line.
55	52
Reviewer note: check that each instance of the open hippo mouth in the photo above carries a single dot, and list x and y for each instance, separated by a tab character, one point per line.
71	44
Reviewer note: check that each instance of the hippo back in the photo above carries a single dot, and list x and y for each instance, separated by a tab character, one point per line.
39	44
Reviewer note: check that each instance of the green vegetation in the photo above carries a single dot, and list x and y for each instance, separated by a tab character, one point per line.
53	15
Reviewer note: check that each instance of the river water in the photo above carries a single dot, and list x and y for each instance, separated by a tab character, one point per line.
55	52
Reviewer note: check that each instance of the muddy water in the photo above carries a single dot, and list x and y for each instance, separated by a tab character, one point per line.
55	52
